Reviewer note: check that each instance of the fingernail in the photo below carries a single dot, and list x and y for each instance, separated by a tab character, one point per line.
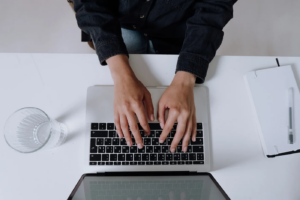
194	139
172	150
161	141
161	125
152	117
140	146
184	149
129	143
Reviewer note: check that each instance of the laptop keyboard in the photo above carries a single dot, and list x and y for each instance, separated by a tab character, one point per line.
106	148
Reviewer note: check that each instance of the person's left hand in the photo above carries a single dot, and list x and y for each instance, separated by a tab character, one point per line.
179	99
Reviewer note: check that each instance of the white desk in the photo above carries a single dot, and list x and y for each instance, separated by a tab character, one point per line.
57	84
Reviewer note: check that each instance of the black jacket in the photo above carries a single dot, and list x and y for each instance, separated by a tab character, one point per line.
190	28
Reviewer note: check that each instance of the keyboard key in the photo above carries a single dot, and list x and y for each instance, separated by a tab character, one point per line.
133	149
200	156
189	162
140	127
189	149
123	141
153	157
197	148
152	134
145	157
101	149
117	149
198	162
192	156
199	141
129	157
184	156
149	149
154	126
165	149
102	126
99	133
94	126
157	134
180	142
161	157
169	141
157	163
176	156
180	162
105	157
117	163
142	150
149	163
110	126
107	141
93	149
174	127
164	143
121	157
179	149
157	149
112	134
101	163
199	134
125	163
115	141
173	163
141	163
95	157
109	163
155	141
133	163
164	163
169	156
113	157
172	134
147	141
125	149
100	141
93	163
199	126
137	157
109	149
133	141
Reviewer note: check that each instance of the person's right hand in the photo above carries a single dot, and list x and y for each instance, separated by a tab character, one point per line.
131	99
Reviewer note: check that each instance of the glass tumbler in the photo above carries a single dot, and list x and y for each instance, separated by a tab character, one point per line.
30	129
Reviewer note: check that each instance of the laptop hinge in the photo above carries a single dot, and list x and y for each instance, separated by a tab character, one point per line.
148	173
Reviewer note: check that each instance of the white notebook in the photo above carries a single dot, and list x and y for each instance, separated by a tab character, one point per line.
269	95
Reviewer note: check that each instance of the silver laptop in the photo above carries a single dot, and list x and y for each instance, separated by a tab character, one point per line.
105	151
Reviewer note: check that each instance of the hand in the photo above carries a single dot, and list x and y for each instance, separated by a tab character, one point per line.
179	99
131	98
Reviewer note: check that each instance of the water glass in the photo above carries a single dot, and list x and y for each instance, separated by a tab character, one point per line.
30	129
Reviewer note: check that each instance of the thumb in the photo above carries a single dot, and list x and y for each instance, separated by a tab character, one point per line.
149	106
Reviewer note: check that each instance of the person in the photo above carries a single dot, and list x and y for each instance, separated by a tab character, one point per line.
190	28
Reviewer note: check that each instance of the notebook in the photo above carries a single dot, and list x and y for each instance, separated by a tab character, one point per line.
270	96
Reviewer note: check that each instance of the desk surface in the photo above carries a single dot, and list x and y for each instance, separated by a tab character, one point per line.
57	84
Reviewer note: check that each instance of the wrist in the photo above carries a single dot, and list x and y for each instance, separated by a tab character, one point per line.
184	78
120	68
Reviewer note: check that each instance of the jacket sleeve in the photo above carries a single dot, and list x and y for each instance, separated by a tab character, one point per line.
99	19
204	36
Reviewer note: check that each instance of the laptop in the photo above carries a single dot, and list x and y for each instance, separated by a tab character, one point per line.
148	186
106	152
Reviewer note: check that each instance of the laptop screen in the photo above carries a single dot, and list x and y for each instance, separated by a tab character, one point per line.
199	187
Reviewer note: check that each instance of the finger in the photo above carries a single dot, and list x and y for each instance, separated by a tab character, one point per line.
171	195
117	124
135	130
140	113
161	113
169	125
125	130
194	131
182	196
187	135
181	128
149	106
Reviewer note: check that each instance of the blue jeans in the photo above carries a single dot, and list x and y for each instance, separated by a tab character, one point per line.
136	42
